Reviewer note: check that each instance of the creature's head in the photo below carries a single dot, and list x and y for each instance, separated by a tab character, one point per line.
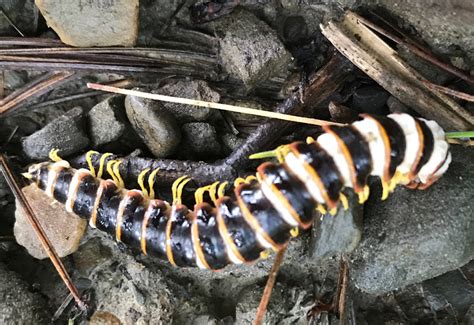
35	171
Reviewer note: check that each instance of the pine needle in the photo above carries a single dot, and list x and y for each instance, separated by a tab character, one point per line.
201	103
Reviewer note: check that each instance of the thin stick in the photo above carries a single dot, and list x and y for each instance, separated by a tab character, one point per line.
418	51
45	242
35	88
449	91
201	103
262	307
11	23
86	94
461	142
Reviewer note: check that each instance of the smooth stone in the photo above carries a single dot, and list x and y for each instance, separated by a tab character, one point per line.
417	235
249	49
107	120
92	23
396	106
453	288
201	138
63	229
23	13
64	133
155	126
370	99
18	305
339	234
192	89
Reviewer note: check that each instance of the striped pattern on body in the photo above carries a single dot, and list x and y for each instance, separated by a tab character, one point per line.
260	214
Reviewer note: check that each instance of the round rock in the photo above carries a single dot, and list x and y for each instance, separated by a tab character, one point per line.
63	229
417	235
370	99
106	120
193	89
155	126
17	304
201	138
64	133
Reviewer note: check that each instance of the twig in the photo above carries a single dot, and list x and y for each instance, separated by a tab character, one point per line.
45	242
378	60
449	91
29	41
418	51
11	22
461	142
86	94
201	103
262	307
36	87
321	85
340	298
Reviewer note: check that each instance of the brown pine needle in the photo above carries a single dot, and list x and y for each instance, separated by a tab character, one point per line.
449	91
45	242
201	103
262	307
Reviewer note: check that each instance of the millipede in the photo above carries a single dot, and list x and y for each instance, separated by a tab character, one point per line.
264	210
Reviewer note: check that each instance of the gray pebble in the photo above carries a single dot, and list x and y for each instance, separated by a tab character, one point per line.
396	106
334	235
417	235
106	120
201	138
156	127
64	133
17	304
231	141
249	49
192	89
370	99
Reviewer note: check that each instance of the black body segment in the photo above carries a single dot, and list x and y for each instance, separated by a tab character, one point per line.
85	196
61	188
396	138
428	144
323	165
358	150
212	243
181	240
291	189
264	213
240	232
155	232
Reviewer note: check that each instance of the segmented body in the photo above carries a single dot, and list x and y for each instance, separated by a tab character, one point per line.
263	213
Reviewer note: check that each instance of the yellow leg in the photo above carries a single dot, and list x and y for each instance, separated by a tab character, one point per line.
53	155
333	211
238	181
221	190
385	190
151	183
117	173
321	209
89	161
250	178
180	190
102	163
344	201
141	176
310	140
213	191
110	170
294	232
264	254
